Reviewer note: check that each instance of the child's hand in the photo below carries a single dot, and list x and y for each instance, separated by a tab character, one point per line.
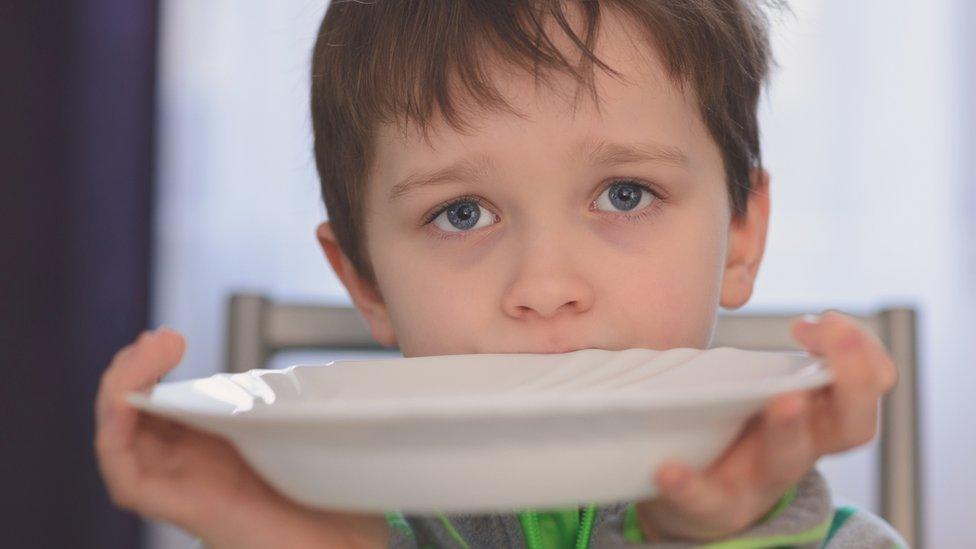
165	471
778	447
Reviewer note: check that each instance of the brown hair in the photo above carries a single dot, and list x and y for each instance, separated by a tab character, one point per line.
375	62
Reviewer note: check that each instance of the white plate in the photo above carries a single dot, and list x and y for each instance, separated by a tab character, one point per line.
488	432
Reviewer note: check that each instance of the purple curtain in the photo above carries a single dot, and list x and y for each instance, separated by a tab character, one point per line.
76	126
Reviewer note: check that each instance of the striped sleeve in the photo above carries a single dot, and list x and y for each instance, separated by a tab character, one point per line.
853	527
401	535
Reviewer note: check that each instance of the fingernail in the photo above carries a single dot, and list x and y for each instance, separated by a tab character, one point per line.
806	325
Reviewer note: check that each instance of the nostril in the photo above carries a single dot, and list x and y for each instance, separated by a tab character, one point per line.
569	304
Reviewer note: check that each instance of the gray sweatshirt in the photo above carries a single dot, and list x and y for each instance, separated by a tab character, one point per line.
806	518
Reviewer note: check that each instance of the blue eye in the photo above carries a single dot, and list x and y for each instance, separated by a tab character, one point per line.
624	196
457	217
463	215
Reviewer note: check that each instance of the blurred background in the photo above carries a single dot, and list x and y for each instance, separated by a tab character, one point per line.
155	157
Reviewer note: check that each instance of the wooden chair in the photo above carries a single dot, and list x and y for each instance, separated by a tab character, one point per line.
259	327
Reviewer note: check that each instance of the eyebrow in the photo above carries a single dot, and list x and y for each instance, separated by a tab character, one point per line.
599	152
462	170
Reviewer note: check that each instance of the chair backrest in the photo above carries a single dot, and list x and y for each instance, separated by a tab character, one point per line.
259	327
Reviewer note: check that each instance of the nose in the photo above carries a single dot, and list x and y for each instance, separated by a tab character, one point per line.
547	284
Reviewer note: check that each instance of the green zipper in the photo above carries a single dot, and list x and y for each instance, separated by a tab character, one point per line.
533	538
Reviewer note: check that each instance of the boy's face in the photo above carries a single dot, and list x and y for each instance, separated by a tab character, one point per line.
555	246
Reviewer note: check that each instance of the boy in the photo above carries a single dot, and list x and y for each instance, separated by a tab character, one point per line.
479	203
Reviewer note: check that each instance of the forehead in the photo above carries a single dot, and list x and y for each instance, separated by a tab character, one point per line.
641	104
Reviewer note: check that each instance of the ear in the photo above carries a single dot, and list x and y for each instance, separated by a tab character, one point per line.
365	296
747	241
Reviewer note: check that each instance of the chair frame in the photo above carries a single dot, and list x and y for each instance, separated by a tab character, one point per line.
258	327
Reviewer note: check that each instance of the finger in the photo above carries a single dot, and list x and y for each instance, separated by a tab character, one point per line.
845	341
113	447
788	451
691	491
863	372
139	365
772	453
149	358
107	383
136	366
725	495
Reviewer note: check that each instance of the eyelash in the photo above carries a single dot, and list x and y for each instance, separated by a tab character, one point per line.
636	217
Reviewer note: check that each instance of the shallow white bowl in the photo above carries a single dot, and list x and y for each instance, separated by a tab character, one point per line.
488	432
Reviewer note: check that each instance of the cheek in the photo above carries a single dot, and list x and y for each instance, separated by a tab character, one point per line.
433	310
669	298
442	295
422	297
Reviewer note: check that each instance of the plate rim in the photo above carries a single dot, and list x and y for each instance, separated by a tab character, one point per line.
501	406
